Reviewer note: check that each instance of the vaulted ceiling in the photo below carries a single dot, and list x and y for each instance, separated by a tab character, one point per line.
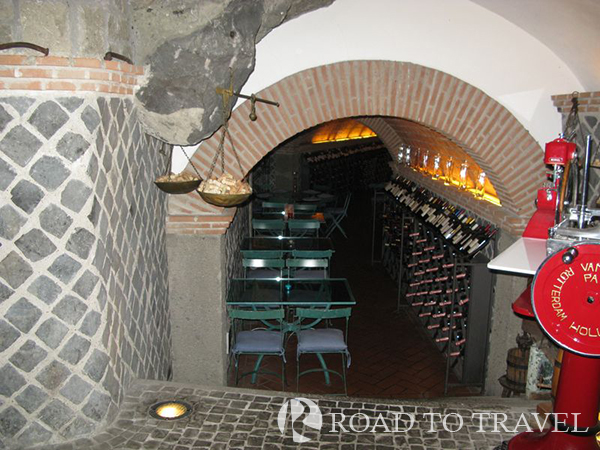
569	28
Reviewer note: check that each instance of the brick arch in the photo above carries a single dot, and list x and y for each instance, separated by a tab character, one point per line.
395	132
375	91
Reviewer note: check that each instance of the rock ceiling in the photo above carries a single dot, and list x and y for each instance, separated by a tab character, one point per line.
189	47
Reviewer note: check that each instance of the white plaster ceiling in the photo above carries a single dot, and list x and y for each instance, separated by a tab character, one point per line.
569	28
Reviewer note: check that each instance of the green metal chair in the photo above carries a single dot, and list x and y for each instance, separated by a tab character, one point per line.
335	217
264	267
268	227
262	254
308	268
302	208
327	254
302	227
320	341
258	342
273	206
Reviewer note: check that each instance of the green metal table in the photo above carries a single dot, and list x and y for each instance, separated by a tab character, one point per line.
286	244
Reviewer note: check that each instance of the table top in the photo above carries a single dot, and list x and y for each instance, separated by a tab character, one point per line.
524	257
286	244
309	195
290	292
279	215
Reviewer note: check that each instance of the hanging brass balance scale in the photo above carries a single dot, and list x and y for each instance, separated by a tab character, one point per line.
226	191
179	183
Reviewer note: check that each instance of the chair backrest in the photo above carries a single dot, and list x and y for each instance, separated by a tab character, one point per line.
272	319
304	227
308	267
316	313
263	263
275	206
271	227
251	314
313	263
257	268
304	208
312	254
262	254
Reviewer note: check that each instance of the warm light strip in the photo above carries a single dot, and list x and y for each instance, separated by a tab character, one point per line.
344	139
492	199
486	197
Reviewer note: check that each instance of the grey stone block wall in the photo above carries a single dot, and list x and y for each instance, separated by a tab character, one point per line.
238	230
83	267
590	125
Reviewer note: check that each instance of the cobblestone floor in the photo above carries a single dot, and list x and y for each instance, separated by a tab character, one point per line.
231	418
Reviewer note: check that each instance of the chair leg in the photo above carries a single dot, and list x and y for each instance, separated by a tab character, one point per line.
330	228
324	367
342	231
256	368
298	373
237	367
344	374
336	223
283	374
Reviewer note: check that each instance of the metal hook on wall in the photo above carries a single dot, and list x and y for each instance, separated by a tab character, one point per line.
35	47
109	56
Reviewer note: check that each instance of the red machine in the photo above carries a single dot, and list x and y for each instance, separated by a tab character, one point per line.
565	300
550	199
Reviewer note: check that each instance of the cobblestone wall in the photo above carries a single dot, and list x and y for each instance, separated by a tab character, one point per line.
83	285
589	119
238	230
590	125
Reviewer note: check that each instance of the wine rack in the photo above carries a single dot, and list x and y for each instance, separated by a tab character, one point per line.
435	252
349	169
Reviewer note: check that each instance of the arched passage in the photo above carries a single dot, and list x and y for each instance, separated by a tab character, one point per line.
377	92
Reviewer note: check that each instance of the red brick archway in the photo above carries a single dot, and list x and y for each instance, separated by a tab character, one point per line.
377	92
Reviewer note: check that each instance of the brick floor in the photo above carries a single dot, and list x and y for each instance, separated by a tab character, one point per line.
391	356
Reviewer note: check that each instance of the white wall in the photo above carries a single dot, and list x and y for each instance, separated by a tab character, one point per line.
457	37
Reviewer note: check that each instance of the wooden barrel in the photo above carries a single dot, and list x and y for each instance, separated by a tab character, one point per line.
556	373
517	362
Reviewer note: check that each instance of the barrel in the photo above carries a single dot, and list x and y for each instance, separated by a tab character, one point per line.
556	373
517	362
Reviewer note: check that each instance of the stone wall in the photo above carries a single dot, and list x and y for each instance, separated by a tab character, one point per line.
505	325
69	28
83	283
200	268
589	117
239	229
